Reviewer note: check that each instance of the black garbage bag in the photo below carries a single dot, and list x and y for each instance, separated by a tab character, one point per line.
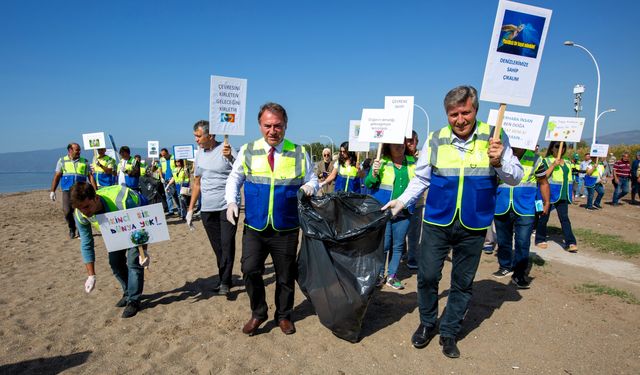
340	256
151	189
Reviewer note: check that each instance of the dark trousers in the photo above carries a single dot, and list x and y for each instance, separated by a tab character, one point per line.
67	210
599	190
562	206
467	247
515	258
127	270
282	246
222	236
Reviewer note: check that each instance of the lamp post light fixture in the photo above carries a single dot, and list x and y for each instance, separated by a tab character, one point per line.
595	114
428	121
330	140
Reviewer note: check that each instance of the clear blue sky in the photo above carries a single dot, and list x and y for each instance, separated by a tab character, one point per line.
140	69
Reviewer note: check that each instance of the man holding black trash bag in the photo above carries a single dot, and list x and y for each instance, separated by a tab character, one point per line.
458	164
272	170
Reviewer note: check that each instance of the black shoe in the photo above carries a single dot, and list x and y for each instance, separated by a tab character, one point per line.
72	234
521	282
502	272
131	309
223	290
449	347
122	302
592	208
422	336
597	206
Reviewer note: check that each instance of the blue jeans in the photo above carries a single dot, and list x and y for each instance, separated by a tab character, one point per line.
507	225
127	270
562	206
467	248
597	188
394	236
622	189
173	200
580	186
413	236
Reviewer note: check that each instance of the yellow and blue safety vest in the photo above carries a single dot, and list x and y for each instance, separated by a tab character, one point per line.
163	167
271	196
73	171
556	179
131	182
591	180
347	179
103	179
463	186
181	177
114	198
523	196
384	191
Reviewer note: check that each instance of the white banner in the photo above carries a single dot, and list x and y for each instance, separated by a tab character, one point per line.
153	149
354	132
599	150
382	126
228	105
94	141
566	129
519	34
135	226
523	129
404	103
183	152
111	152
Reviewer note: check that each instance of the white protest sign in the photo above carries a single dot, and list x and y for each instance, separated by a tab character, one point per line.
382	125
565	129
135	226
183	152
93	141
523	129
402	103
228	102
519	34
599	150
354	132
111	152
153	149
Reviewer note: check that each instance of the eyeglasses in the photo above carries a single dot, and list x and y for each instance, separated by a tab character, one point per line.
325	155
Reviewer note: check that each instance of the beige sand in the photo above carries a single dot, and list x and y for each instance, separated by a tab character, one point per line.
50	325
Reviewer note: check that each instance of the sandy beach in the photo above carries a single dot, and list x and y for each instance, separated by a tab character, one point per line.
50	325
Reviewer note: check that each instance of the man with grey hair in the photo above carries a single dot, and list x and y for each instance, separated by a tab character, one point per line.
458	164
213	162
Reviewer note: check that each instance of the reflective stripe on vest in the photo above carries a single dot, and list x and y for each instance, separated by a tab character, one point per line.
557	177
72	172
114	198
267	192
384	191
523	196
346	179
460	184
103	179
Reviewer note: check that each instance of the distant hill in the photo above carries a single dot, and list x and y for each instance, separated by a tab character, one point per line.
42	160
631	137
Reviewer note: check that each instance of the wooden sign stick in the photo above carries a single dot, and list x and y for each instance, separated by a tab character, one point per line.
379	151
501	110
560	151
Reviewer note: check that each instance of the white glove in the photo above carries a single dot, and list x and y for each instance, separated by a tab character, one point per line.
395	205
52	196
232	213
376	167
147	259
90	283
321	185
308	190
189	219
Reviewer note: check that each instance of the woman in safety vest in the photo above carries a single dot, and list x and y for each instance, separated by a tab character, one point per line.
594	181
181	180
560	183
345	171
387	179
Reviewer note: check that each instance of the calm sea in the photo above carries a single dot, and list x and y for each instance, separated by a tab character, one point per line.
24	181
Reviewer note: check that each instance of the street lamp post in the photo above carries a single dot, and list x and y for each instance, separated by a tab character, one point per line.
330	140
428	121
310	149
602	113
595	114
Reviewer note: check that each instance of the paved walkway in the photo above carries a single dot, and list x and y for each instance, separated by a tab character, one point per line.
622	270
